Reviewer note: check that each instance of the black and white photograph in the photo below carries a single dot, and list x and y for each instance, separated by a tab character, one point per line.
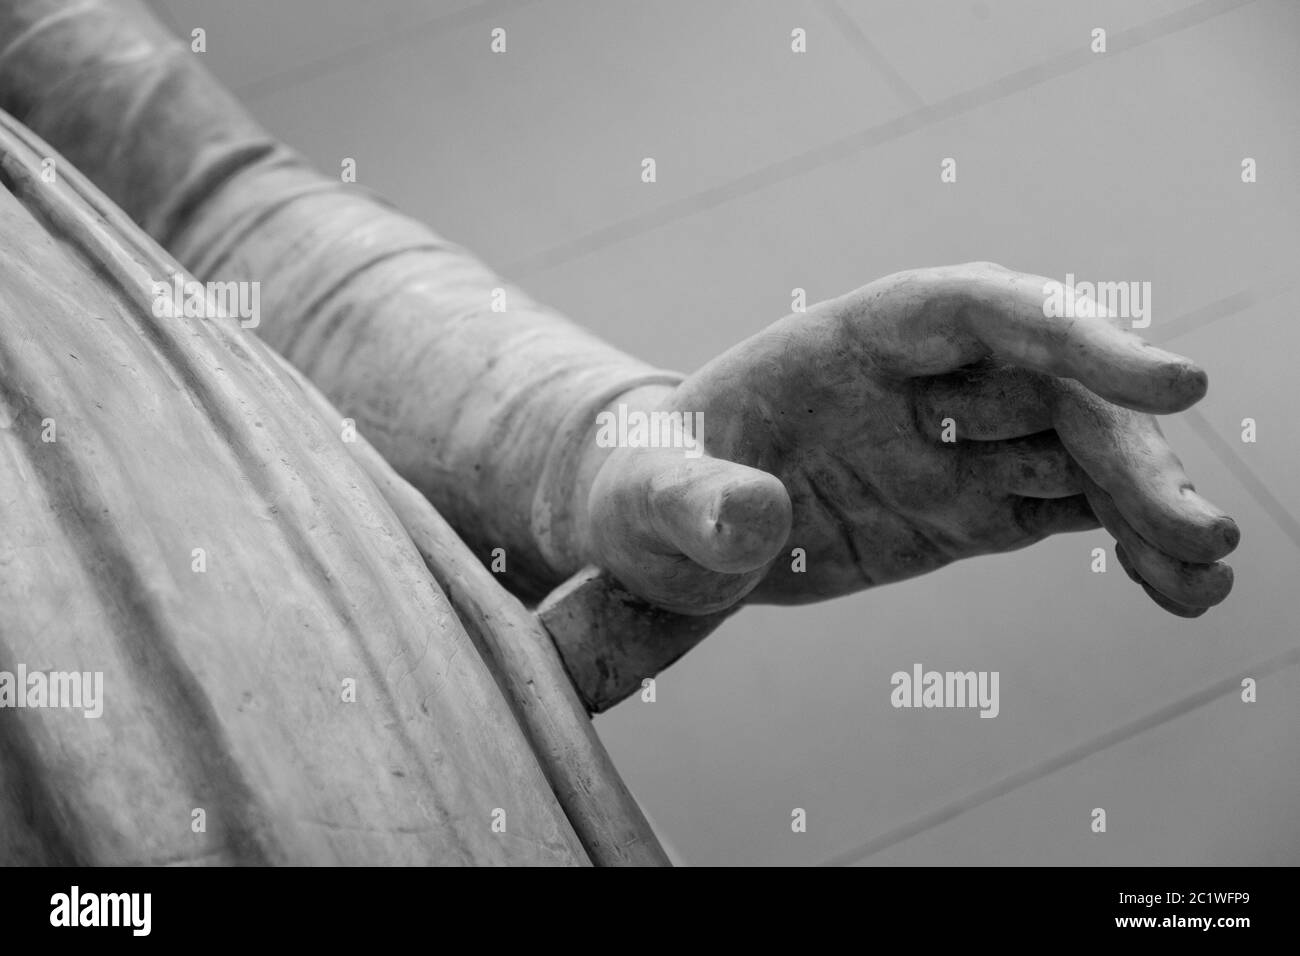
696	433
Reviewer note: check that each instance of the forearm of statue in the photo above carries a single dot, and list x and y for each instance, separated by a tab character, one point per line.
484	399
931	415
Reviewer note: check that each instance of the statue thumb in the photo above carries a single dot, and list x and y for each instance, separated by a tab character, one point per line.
724	516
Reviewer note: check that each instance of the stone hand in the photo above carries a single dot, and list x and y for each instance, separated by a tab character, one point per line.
932	415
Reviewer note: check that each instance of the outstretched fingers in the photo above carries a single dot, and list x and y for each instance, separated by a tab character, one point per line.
1125	454
1188	588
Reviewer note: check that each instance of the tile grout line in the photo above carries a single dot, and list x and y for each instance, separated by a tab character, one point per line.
1244	475
333	62
159	9
854	143
1254	486
1073	755
1222	308
852	32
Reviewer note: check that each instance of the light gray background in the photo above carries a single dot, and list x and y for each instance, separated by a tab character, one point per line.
821	170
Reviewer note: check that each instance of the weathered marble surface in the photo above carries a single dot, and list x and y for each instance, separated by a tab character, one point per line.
223	689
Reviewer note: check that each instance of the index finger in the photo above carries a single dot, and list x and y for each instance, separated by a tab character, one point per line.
983	309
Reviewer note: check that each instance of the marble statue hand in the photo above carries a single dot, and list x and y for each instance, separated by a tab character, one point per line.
932	415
